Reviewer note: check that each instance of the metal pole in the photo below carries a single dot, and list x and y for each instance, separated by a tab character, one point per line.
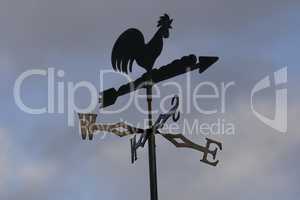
151	147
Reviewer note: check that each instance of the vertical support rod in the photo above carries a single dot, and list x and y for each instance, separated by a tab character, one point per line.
151	147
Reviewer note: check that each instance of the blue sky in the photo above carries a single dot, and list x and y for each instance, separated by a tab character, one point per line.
42	158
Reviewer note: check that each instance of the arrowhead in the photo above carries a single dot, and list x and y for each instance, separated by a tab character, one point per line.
205	62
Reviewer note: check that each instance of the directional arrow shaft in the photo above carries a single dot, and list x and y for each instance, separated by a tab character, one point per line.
175	68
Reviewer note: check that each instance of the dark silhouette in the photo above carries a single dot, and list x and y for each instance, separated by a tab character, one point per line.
177	67
131	46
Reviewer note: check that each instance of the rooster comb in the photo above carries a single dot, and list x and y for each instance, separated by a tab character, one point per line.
165	21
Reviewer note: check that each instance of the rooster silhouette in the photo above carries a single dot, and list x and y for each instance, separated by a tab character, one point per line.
131	46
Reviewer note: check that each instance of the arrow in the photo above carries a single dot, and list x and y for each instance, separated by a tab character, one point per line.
180	141
177	67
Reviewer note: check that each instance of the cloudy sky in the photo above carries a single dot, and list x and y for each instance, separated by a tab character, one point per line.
44	158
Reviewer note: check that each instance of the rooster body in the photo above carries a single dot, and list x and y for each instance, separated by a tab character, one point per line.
131	46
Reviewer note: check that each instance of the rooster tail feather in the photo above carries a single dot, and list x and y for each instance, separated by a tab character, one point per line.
126	49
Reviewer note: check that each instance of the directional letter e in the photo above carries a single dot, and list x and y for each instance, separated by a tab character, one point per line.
279	122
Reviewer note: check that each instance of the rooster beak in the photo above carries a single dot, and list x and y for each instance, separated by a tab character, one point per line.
170	24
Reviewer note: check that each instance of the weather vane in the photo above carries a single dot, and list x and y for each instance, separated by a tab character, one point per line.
130	47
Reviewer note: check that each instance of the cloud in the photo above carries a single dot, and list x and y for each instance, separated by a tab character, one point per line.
5	157
41	158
